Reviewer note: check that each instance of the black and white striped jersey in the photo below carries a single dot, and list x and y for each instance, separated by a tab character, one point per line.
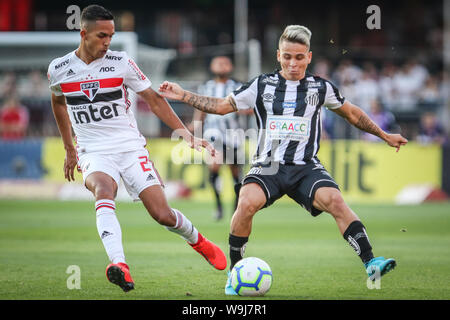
216	126
288	115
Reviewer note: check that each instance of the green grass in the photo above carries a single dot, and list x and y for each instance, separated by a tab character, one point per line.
308	256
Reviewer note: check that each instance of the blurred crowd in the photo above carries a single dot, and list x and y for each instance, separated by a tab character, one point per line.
405	98
24	105
399	93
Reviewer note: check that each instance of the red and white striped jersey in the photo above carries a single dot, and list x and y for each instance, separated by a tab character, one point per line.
97	100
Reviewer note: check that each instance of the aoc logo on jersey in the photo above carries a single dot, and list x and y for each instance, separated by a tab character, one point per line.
90	89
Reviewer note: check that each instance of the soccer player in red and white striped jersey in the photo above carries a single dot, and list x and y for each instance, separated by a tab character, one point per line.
90	94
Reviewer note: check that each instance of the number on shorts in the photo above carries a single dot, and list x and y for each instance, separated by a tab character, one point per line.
145	164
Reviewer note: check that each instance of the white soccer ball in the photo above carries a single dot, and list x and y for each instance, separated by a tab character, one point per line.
251	277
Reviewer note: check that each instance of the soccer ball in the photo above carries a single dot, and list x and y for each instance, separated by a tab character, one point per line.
251	277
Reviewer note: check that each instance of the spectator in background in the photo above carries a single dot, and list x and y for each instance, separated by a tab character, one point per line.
322	68
443	112
407	83
383	118
327	125
346	72
14	119
386	85
366	90
444	86
8	85
347	75
429	96
217	128
431	130
34	85
418	71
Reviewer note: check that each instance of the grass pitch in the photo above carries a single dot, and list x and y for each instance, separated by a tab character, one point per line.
309	258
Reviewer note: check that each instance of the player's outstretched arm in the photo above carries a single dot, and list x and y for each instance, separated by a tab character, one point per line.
164	111
171	90
357	117
65	129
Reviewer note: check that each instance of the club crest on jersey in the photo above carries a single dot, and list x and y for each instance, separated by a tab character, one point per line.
312	99
90	89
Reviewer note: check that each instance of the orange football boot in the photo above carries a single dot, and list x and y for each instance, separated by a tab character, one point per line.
211	252
119	274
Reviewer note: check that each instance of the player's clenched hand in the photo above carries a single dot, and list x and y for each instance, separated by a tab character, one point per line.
171	90
69	164
396	140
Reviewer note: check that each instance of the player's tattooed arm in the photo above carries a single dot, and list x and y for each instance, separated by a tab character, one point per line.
202	103
208	104
171	90
366	124
357	117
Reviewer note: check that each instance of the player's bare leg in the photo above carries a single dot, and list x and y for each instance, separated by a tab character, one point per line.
251	199
101	185
104	189
156	204
330	200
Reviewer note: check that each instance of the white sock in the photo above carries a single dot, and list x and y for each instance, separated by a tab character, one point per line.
109	230
184	227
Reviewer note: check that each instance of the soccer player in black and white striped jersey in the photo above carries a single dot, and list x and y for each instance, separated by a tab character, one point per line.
287	105
217	127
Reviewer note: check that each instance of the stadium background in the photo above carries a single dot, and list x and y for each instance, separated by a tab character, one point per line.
403	67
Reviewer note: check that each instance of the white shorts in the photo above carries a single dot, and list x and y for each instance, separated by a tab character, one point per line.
134	167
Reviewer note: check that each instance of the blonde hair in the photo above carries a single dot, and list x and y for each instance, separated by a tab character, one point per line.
296	33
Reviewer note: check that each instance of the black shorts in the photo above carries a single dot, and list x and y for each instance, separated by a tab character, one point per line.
299	182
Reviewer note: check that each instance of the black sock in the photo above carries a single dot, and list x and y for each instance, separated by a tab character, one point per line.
357	237
213	176
237	248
